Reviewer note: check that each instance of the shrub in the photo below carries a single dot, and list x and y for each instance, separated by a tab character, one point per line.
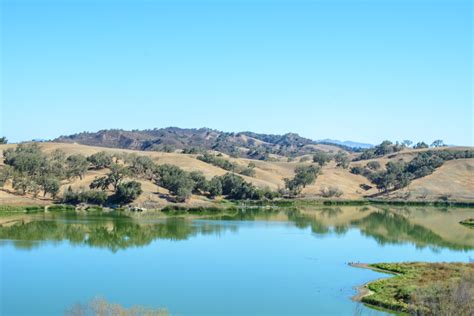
82	196
342	160
321	158
331	192
128	191
100	160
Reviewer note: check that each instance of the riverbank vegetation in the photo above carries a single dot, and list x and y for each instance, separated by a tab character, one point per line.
424	288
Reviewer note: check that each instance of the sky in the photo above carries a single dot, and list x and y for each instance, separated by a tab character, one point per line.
363	70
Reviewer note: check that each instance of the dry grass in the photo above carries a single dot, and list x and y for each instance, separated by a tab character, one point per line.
454	179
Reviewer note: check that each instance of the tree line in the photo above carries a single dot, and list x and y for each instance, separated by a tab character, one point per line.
219	161
387	147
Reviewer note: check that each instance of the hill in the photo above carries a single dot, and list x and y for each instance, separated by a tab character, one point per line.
243	144
453	180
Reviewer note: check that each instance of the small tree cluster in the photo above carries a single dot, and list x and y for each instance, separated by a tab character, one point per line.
342	160
96	197
399	174
304	175
385	148
225	164
322	158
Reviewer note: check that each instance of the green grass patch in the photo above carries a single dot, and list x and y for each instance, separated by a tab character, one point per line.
417	285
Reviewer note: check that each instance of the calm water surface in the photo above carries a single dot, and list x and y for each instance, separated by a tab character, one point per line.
288	262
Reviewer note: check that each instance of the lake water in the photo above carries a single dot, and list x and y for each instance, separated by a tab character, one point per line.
252	262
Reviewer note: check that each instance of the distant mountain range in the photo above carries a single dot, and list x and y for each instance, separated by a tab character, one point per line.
242	144
347	143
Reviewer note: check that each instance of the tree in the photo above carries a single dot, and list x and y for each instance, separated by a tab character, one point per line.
407	143
101	183
421	145
321	158
6	173
200	182
128	191
438	143
50	185
304	175
100	160
176	180
3	140
215	187
342	160
116	175
142	166
113	178
76	166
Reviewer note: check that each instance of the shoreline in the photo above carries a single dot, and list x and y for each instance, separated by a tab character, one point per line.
363	290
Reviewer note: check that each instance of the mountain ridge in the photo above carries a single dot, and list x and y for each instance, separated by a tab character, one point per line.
244	144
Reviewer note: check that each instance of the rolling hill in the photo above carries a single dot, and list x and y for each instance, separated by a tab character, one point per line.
243	144
454	180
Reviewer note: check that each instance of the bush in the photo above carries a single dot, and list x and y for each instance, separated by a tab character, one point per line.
128	192
82	196
215	187
235	187
331	192
76	166
100	160
321	158
357	170
175	180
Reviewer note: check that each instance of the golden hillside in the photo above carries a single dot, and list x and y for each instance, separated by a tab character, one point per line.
453	180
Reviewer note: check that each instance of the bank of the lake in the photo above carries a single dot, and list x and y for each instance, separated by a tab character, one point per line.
421	288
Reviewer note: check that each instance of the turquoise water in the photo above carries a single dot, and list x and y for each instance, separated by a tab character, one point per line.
270	264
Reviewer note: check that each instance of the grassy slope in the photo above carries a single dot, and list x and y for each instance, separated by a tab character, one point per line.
454	178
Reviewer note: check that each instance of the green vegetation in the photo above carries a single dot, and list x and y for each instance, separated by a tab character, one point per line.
385	148
225	164
322	158
304	175
424	288
399	174
176	180
342	160
127	192
96	197
3	140
100	160
31	171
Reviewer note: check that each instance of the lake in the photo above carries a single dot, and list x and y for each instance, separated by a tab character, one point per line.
248	262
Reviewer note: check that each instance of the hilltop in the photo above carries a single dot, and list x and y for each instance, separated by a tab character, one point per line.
242	144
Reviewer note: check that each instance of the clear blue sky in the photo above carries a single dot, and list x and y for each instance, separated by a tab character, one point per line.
358	70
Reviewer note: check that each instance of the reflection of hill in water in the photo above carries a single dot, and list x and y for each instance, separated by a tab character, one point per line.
115	232
390	228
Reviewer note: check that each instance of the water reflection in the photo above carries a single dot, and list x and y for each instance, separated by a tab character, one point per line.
424	227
